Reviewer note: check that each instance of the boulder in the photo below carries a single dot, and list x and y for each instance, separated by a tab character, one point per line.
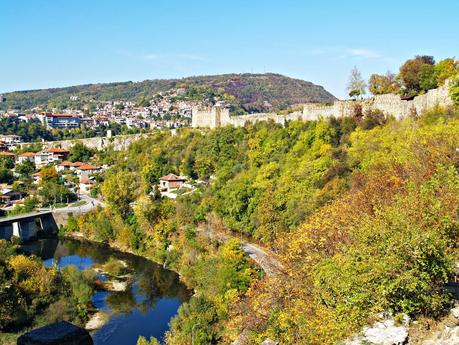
386	333
59	333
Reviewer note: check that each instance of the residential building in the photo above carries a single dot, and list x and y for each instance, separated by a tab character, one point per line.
26	156
171	182
10	141
85	170
86	185
7	154
42	158
58	154
62	120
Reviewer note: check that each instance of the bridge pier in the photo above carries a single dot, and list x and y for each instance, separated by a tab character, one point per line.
27	226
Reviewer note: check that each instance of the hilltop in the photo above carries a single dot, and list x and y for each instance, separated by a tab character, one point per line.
246	92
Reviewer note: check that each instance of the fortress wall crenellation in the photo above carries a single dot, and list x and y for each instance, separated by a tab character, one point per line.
389	104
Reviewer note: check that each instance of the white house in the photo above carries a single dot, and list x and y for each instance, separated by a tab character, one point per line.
26	156
86	185
171	182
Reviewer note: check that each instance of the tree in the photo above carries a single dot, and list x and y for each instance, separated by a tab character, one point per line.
356	85
454	91
25	169
80	152
427	77
48	174
446	69
119	190
6	176
415	72
52	192
30	203
382	84
143	341
7	162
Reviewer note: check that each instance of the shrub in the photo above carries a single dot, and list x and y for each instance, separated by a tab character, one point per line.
114	267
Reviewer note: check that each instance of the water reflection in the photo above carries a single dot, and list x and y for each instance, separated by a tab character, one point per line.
151	299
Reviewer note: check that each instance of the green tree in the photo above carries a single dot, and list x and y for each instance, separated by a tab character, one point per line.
427	77
25	169
54	192
80	152
144	341
416	71
454	91
119	190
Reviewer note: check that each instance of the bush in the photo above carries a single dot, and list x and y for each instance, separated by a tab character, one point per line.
372	118
114	267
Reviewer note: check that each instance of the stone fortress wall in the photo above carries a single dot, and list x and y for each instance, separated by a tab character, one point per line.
119	142
389	104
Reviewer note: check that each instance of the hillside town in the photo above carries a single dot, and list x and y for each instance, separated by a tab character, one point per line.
164	110
59	178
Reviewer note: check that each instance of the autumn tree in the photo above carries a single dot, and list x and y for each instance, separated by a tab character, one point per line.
119	190
418	74
381	84
446	69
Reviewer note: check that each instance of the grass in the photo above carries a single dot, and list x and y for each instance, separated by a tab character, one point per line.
79	203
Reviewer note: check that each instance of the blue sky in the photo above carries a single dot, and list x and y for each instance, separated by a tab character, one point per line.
52	43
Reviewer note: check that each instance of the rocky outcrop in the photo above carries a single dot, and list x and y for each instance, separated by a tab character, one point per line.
119	142
59	333
384	332
449	333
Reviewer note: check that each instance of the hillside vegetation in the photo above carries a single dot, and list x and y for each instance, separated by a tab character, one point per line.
251	92
363	212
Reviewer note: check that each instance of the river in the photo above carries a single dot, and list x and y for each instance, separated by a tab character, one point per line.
152	297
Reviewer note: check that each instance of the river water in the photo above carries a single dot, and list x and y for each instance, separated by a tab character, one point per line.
145	308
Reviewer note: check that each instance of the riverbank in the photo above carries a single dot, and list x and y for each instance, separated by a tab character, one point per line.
115	247
133	296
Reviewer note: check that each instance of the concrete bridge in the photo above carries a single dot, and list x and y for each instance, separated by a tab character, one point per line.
28	226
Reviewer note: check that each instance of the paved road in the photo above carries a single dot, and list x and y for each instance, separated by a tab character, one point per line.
265	259
91	203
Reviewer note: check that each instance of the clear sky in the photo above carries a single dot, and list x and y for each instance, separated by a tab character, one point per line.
52	43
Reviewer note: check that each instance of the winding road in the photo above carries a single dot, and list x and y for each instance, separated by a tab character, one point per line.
90	204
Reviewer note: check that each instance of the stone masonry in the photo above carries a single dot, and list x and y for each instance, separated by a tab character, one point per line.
389	104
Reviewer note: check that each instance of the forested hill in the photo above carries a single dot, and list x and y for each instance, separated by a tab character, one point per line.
251	92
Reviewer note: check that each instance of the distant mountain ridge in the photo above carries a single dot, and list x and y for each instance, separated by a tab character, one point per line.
252	92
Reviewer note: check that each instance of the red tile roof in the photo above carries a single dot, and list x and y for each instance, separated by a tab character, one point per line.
27	154
58	150
61	115
86	180
9	154
172	177
88	167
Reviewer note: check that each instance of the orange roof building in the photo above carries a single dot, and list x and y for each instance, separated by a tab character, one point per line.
27	154
7	154
88	167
